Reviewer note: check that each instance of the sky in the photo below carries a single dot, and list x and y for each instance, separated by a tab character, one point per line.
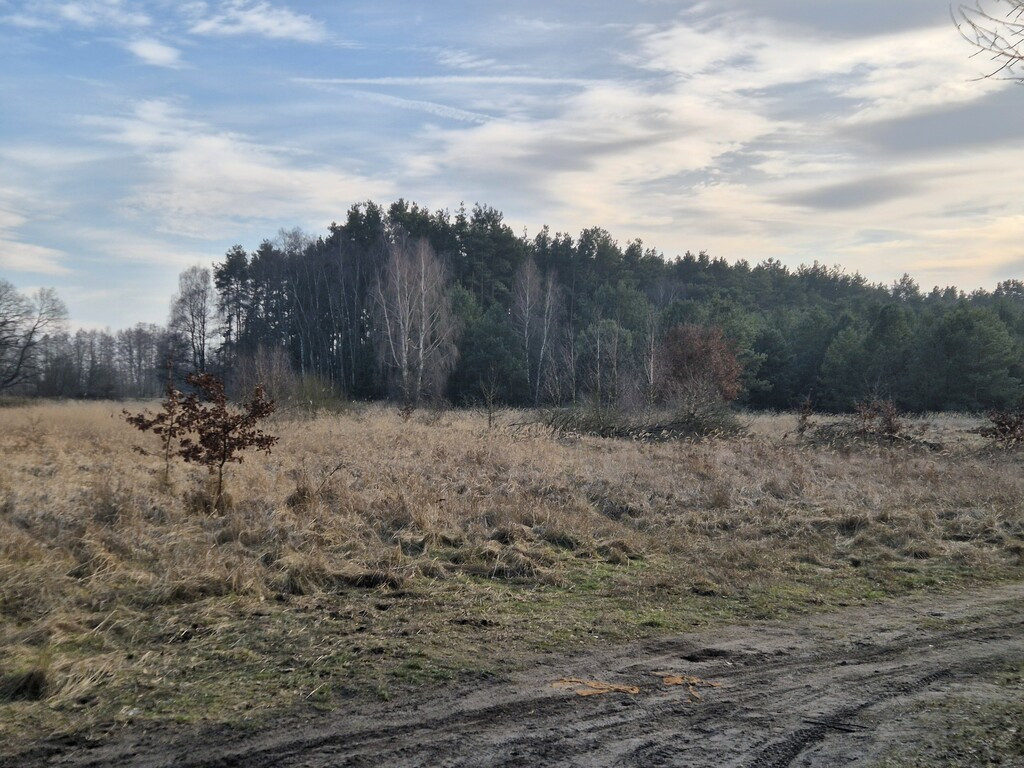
140	138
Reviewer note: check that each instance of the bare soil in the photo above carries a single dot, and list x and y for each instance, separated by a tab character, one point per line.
853	687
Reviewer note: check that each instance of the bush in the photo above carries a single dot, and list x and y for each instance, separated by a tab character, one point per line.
1006	427
699	365
878	418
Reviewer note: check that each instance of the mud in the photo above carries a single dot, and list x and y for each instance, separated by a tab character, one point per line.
825	690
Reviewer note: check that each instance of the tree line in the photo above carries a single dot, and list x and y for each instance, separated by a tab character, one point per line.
414	305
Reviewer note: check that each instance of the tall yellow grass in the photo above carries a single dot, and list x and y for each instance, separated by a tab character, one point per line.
366	500
84	518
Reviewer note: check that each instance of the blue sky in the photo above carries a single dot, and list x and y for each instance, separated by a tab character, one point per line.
140	138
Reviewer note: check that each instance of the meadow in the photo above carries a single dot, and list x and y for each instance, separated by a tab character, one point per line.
373	551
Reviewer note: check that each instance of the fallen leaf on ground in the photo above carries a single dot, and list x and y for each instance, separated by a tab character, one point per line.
691	683
593	687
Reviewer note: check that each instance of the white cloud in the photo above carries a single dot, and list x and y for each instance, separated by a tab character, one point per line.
203	181
600	157
887	76
25	21
243	17
18	255
17	251
155	53
535	26
80	13
120	247
33	158
10	220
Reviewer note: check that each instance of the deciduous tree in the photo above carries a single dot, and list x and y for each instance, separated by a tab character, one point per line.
192	313
24	322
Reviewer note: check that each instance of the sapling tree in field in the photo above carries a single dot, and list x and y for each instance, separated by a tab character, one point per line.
207	430
490	392
221	432
170	424
878	417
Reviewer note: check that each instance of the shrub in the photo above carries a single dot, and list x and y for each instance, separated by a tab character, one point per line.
699	364
878	418
701	375
1006	426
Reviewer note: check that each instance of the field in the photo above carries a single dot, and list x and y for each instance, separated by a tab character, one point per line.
371	555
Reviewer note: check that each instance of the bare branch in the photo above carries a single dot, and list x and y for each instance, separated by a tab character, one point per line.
1000	36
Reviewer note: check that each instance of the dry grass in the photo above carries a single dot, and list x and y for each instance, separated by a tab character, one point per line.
368	551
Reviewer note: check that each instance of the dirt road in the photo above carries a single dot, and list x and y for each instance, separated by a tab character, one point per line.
825	690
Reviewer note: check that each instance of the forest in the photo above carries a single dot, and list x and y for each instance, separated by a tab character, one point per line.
403	303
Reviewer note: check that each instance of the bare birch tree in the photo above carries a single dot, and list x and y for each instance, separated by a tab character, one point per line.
651	363
417	326
650	359
561	384
534	311
605	346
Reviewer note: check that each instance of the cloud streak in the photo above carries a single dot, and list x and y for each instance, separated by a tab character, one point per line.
429	107
19	256
445	80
